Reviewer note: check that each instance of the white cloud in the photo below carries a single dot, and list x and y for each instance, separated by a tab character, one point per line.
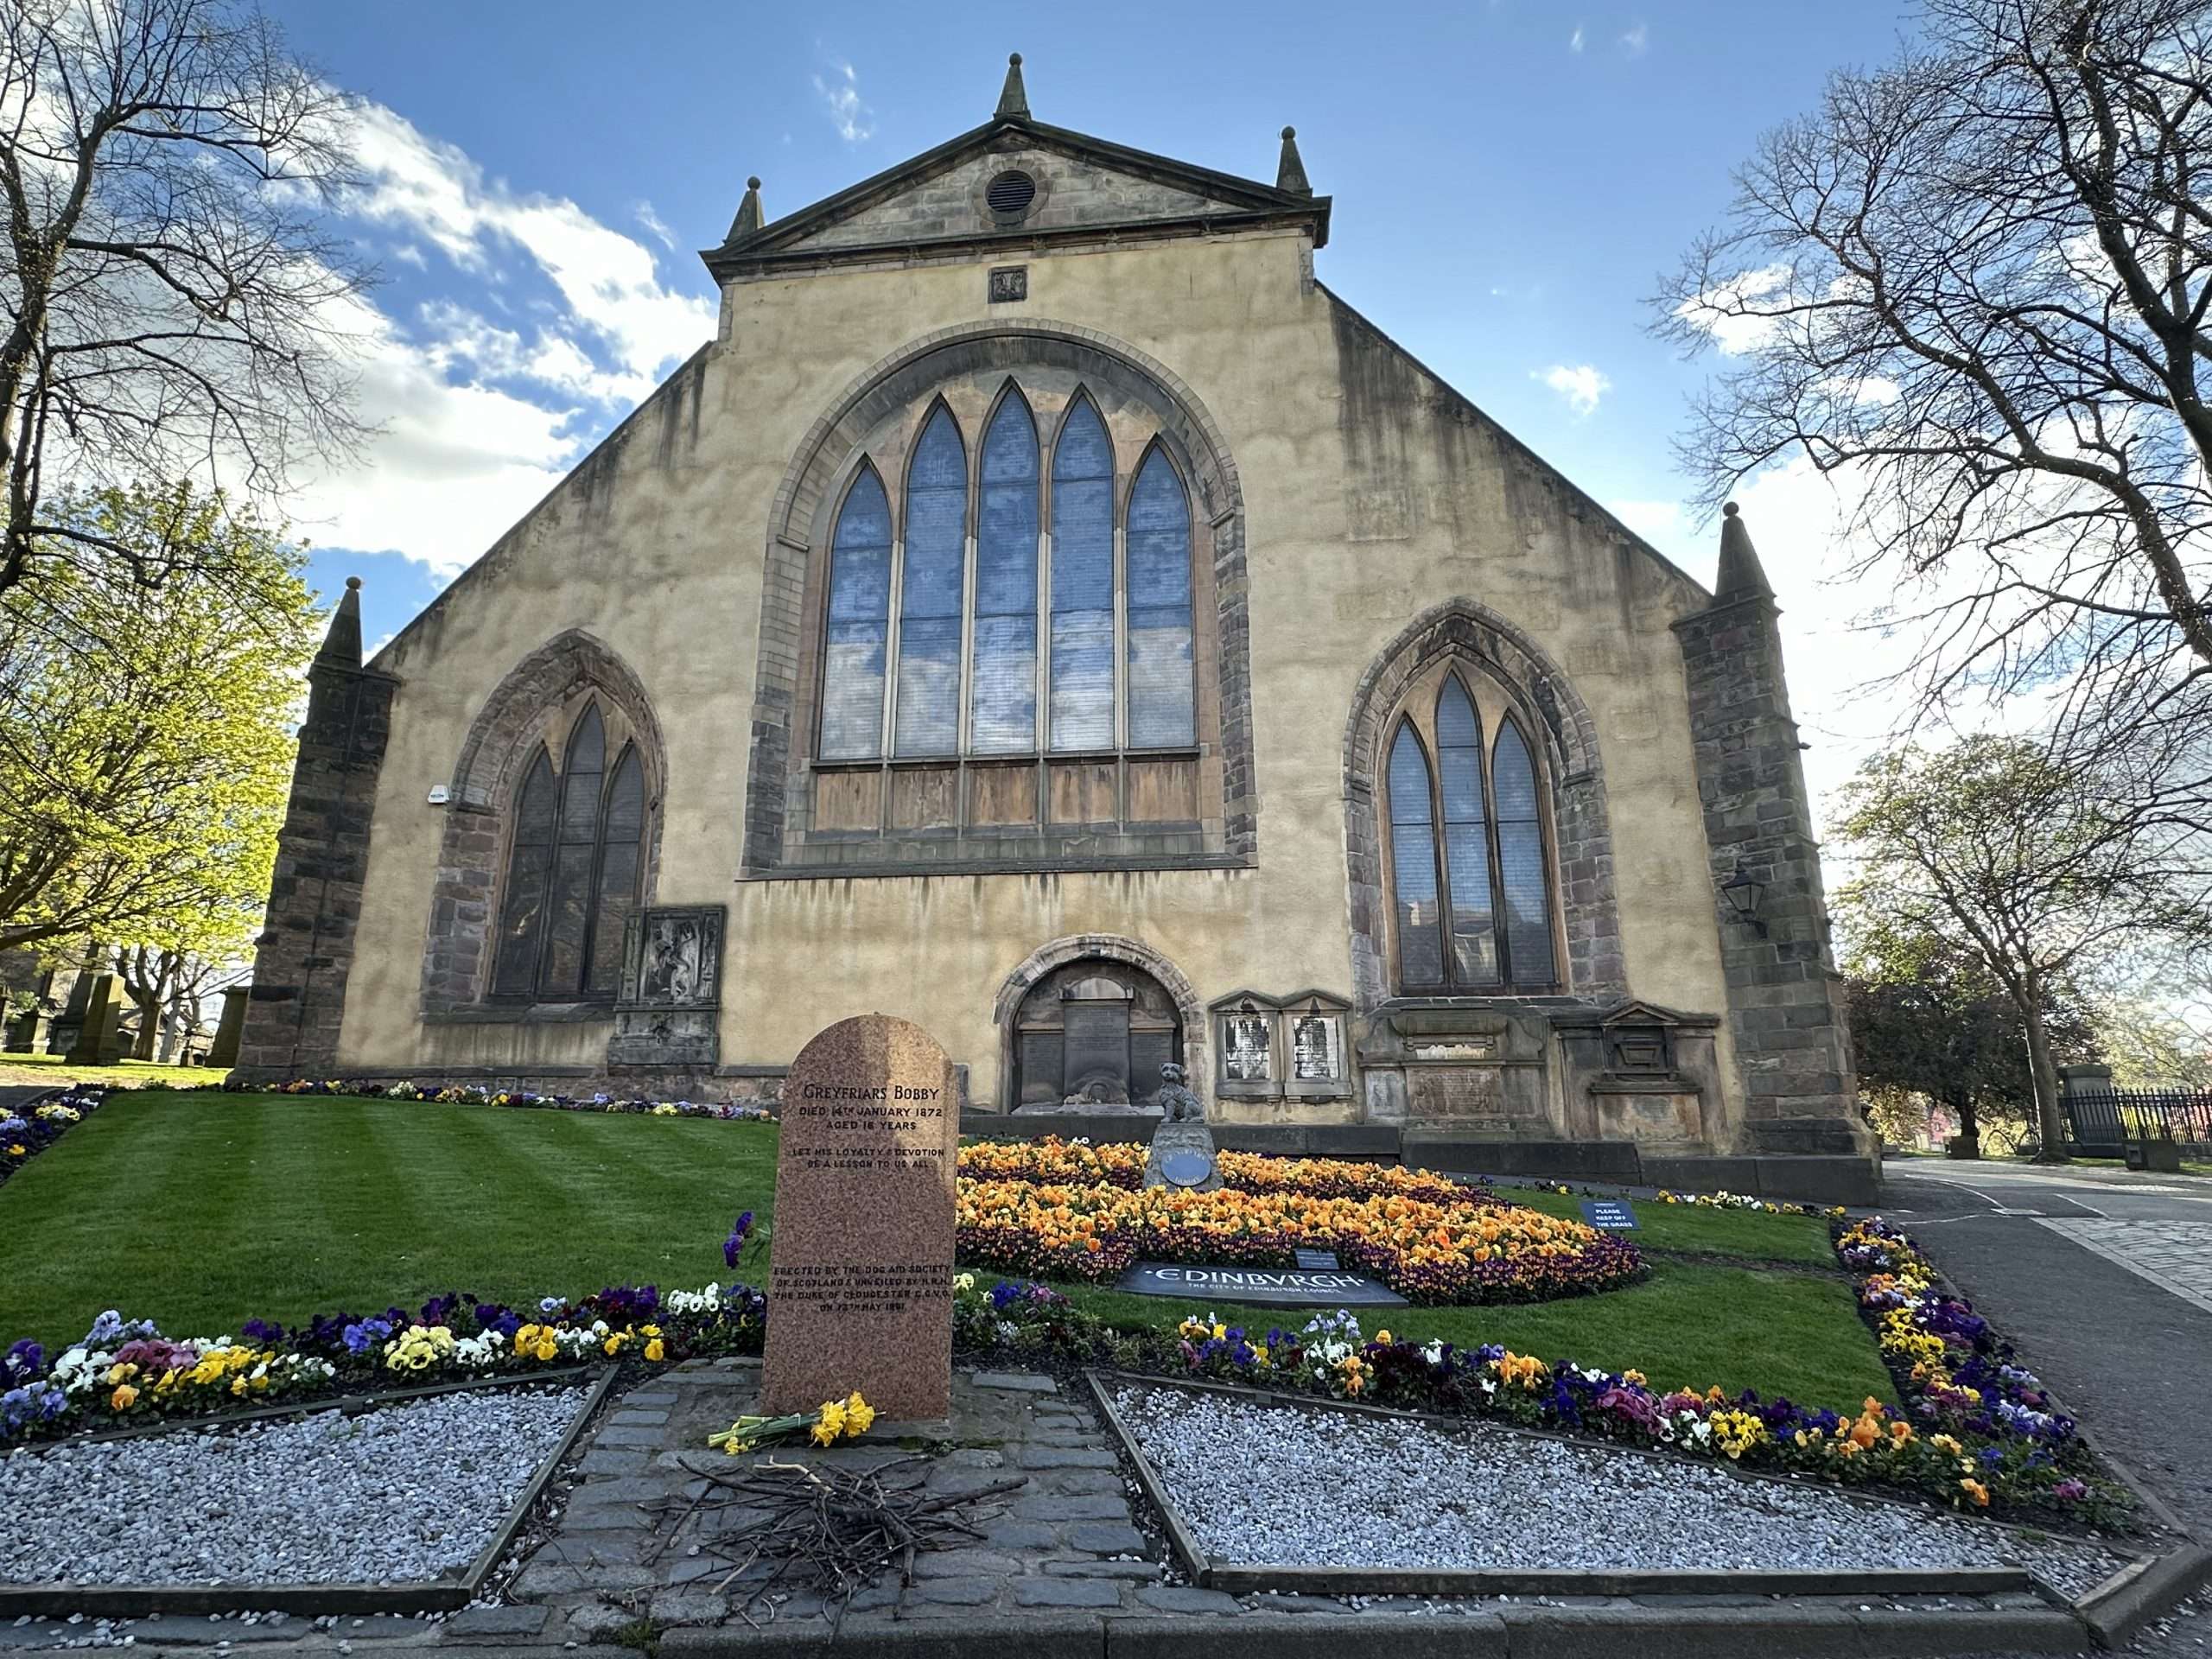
477	419
841	94
651	221
1575	40
1735	336
1636	40
607	281
1581	385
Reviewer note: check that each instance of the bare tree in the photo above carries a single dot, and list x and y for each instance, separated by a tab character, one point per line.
1974	284
174	305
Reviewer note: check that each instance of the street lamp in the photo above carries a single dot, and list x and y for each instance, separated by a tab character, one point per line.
1743	891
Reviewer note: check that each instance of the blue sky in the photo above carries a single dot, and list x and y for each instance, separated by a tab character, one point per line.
1510	179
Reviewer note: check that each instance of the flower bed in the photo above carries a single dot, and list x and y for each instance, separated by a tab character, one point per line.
123	1372
1054	1162
24	1135
1930	1449
1472	1248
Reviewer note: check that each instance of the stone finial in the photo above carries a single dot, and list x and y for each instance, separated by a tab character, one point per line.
1013	98
341	647
1740	576
748	212
1290	172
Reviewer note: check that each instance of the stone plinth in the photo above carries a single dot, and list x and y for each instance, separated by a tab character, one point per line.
1174	1143
860	1291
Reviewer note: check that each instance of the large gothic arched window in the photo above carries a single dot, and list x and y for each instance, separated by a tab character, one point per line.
1470	874
572	870
1058	592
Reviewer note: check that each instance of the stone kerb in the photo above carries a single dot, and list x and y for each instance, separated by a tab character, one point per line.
860	1293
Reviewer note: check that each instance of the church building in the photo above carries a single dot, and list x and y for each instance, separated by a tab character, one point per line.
1045	611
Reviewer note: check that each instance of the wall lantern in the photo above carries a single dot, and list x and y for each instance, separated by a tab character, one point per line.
1743	893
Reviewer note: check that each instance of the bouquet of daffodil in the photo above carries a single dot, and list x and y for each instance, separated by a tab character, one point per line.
827	1424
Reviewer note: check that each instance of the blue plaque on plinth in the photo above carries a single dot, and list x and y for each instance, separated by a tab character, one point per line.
1185	1168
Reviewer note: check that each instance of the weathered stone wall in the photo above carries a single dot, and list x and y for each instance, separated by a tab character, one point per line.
306	953
1791	1048
1371	494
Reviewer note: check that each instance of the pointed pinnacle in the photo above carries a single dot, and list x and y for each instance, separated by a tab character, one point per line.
341	645
1290	172
1740	576
749	212
1013	98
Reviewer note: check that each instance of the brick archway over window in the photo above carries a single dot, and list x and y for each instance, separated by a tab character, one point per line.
799	527
1467	629
1109	947
473	853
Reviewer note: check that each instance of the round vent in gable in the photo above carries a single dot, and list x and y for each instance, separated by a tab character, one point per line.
1010	195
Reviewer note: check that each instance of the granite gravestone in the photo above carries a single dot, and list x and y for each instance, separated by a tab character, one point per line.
860	1294
98	1042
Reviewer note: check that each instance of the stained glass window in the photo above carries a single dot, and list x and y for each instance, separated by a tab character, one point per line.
1082	675
1458	847
1522	864
1162	713
573	870
929	593
1111	588
1413	862
1003	713
860	610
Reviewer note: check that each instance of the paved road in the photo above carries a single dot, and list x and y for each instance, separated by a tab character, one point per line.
2103	1280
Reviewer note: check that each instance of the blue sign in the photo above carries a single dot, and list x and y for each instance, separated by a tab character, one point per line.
1317	1261
1185	1168
1269	1287
1611	1214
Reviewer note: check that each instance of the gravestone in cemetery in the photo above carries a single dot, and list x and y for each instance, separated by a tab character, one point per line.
860	1292
98	1042
223	1051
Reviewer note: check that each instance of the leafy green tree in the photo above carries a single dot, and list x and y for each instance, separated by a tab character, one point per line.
1929	1020
2020	864
146	733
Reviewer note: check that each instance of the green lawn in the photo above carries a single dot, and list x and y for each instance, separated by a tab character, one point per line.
1688	1326
52	1072
201	1211
1704	1230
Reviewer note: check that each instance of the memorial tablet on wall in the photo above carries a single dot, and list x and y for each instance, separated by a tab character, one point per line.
859	1293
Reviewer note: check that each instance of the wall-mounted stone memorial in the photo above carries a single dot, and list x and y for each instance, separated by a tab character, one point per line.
859	1295
668	1009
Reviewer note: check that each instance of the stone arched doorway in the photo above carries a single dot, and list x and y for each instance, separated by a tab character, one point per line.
1096	1031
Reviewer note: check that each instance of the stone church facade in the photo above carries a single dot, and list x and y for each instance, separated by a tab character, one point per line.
1045	611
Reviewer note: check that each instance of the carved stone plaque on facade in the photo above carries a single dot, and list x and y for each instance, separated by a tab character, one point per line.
1455	1093
1247	1047
668	1011
1316	1048
859	1295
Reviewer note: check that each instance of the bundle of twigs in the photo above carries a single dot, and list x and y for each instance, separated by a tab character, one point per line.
831	1530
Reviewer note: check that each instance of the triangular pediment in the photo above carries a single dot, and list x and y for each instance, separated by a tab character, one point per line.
1077	186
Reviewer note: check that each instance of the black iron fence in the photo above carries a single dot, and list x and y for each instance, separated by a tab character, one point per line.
2104	1120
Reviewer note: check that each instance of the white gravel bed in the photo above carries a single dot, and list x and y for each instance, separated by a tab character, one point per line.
1280	1486
393	1496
